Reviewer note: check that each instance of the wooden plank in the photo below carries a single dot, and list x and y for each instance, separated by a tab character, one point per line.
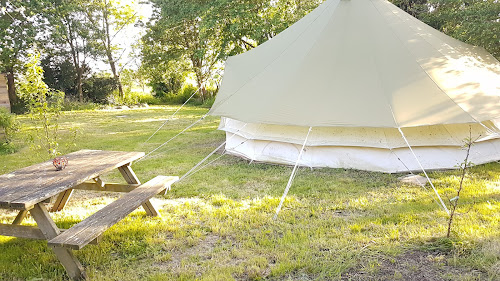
79	235
21	231
24	188
82	168
29	232
128	174
20	217
61	200
130	177
44	174
73	267
108	187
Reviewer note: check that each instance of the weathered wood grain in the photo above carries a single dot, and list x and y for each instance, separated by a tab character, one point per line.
130	177
28	232
73	267
20	217
23	188
108	187
61	200
21	231
82	233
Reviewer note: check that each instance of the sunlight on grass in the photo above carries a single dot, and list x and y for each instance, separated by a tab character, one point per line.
217	224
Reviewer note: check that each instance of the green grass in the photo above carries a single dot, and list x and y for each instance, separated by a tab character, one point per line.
217	224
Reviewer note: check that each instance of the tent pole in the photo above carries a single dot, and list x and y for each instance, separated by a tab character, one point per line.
425	173
292	176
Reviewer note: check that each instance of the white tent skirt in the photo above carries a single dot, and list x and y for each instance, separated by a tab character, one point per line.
371	149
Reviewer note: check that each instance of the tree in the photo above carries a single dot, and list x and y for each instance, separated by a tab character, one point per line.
109	18
476	22
253	22
177	34
18	28
69	35
59	74
204	33
412	7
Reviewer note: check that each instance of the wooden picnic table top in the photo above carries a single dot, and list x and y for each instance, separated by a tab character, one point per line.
23	188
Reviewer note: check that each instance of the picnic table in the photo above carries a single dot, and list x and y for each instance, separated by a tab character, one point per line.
30	189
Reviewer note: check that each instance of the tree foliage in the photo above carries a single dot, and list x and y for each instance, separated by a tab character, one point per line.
44	105
476	22
19	24
202	34
184	40
108	18
99	88
68	36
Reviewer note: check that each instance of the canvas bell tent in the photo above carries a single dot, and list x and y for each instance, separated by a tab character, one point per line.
361	84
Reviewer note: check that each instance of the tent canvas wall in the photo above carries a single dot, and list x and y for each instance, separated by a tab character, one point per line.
365	76
4	95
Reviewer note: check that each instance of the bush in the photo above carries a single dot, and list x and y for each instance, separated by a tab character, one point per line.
7	124
181	97
209	102
171	83
100	89
149	99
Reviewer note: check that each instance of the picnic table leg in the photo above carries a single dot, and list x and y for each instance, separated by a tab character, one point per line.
130	177
49	229
20	217
61	200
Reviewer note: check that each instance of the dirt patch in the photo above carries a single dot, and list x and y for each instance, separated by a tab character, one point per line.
415	266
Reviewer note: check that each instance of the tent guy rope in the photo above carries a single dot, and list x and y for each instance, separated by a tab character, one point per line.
425	173
292	176
172	138
208	156
172	116
411	173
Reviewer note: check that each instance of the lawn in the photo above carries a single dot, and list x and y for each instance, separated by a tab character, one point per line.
217	224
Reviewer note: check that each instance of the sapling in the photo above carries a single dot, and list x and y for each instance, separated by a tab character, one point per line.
464	167
44	105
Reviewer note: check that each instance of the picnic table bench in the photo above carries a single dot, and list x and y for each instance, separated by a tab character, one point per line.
30	189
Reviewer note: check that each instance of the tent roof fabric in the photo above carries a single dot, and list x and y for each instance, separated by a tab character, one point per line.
360	63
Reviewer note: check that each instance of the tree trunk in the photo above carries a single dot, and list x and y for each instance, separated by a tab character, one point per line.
115	74
108	46
11	88
197	68
79	88
199	81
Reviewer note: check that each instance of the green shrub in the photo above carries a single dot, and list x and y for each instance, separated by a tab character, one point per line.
163	86
209	102
7	124
182	96
99	89
149	99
